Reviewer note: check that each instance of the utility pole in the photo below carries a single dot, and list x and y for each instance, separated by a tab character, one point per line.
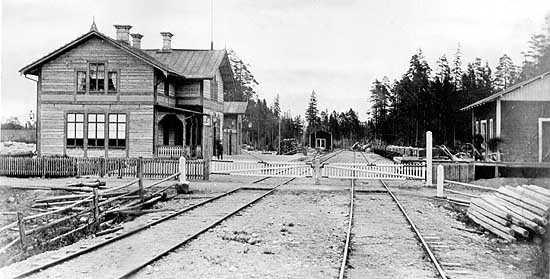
280	137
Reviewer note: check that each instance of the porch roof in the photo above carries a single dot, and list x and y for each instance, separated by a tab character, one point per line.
234	107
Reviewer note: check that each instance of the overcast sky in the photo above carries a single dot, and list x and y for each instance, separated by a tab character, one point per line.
335	47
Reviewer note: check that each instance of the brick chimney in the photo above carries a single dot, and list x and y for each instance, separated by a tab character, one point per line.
166	41
123	33
136	40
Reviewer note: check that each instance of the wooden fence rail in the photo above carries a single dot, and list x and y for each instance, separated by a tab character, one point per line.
115	167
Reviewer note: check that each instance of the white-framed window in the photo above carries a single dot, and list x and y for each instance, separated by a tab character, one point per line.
483	129
476	128
491	128
96	130
75	130
117	130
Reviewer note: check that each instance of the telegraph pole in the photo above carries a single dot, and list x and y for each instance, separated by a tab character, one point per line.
280	137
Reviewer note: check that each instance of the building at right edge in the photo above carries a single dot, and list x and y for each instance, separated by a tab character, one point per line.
517	119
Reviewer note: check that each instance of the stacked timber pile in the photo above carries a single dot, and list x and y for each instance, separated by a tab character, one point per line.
289	146
512	212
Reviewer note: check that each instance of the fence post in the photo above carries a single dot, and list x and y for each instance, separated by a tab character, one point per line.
183	171
102	167
440	178
95	209
317	170
75	168
182	186
206	172
21	227
43	159
429	170
140	178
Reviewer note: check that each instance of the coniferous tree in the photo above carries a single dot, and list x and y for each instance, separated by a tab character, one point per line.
456	71
312	113
244	79
506	72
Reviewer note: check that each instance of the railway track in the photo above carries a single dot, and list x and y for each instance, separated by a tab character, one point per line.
126	254
381	236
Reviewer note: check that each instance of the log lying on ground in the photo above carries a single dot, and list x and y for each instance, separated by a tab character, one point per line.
512	212
75	197
93	184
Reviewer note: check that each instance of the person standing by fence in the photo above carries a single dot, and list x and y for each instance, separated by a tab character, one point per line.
219	149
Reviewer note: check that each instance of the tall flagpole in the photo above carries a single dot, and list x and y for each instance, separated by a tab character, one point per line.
211	24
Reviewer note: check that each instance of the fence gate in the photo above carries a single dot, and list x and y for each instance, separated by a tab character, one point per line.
373	171
261	168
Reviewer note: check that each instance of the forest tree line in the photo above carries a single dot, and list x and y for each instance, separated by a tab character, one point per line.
430	99
261	122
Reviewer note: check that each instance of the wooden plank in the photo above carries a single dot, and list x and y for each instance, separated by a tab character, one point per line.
489	208
525	216
539	190
536	211
487	225
502	221
512	193
532	194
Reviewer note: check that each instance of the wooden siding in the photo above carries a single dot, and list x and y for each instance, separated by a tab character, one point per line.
140	132
188	89
520	129
213	105
219	81
59	75
538	90
52	132
207	89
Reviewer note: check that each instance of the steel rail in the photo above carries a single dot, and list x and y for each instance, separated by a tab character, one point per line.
215	223
146	226
129	233
197	234
348	235
425	246
433	259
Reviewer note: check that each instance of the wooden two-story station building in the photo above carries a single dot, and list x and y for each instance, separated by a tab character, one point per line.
104	97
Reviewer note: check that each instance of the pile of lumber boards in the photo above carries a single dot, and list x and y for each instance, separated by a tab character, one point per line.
512	212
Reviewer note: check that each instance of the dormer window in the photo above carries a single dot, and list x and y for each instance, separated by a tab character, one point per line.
97	77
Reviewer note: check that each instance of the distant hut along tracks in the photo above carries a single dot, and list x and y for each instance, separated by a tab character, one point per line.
375	226
152	241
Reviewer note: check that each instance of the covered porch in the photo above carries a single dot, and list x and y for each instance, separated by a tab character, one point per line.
178	132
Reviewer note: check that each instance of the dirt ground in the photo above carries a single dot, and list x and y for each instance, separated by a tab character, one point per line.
299	232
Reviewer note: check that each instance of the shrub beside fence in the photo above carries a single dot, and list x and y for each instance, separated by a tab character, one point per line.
114	167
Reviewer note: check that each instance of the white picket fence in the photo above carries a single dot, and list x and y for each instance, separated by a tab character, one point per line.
370	171
261	168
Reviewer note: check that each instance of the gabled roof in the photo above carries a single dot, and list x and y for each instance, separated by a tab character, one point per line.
234	107
503	92
196	63
191	63
32	68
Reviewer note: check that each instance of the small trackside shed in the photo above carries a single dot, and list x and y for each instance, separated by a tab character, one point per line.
321	139
519	117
